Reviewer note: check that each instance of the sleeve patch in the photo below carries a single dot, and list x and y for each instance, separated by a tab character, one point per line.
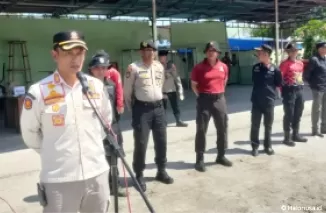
128	75
28	103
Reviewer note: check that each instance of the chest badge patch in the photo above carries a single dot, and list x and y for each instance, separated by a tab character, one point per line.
58	120
52	93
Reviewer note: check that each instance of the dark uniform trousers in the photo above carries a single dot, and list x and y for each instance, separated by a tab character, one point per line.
259	110
293	105
116	129
211	105
173	98
147	116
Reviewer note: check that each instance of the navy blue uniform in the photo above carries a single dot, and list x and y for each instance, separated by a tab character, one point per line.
265	82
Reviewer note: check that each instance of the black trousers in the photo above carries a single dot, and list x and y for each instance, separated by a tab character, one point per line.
211	105
147	116
257	112
173	98
116	129
293	105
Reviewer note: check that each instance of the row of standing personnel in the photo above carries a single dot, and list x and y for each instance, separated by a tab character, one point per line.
73	164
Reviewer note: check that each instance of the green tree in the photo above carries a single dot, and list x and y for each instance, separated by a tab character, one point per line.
268	32
310	33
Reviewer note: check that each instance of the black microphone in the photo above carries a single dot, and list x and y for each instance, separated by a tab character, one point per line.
83	81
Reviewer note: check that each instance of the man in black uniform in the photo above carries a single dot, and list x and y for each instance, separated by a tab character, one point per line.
97	68
266	78
315	75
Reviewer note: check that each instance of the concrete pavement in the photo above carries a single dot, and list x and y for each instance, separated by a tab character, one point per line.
291	181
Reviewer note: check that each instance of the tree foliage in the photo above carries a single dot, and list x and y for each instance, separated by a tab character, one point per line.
268	32
310	33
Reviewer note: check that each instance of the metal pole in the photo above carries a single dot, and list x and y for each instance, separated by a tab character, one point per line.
276	33
154	28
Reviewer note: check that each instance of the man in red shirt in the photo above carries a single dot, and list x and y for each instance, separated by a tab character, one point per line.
292	93
208	80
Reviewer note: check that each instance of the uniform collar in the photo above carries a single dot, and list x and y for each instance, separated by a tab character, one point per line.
57	79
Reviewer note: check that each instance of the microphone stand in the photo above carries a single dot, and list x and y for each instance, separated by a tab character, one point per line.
115	152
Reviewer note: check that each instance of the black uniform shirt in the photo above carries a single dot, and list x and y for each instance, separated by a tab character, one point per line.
265	81
315	73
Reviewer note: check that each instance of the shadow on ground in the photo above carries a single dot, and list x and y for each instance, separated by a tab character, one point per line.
31	199
238	100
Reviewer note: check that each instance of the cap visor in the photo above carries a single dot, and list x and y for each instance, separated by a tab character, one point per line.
73	45
258	48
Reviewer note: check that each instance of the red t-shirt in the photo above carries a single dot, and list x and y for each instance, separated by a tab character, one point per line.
292	72
210	79
114	75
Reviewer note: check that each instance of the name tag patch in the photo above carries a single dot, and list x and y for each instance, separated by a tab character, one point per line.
58	120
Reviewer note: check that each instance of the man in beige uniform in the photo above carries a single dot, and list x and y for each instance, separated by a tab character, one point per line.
143	96
58	122
171	85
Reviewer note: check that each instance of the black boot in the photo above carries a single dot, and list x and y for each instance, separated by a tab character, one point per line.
223	161
268	147
200	165
287	139
181	123
254	151
163	176
315	132
297	138
141	181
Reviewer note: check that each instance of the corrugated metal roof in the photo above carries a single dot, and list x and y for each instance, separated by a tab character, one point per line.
244	10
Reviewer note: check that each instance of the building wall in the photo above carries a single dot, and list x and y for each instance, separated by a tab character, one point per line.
120	39
113	36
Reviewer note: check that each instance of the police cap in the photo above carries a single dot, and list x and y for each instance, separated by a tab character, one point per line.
163	52
320	44
265	48
147	44
292	46
213	45
69	40
99	61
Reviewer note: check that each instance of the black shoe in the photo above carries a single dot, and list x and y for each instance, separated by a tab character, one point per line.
255	152
181	124
269	151
141	182
287	140
323	131
297	138
223	161
163	177
200	166
318	134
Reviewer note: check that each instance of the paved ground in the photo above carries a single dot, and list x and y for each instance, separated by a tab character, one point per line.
291	181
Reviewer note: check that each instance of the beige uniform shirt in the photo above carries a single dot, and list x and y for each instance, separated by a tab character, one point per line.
59	123
144	83
172	80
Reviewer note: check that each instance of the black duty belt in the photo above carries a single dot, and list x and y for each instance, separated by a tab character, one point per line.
212	95
149	104
292	87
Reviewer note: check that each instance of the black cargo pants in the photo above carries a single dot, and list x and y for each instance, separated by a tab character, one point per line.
211	105
147	116
293	105
258	111
173	98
